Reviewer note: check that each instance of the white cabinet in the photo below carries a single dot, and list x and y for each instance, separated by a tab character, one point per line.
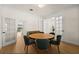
8	31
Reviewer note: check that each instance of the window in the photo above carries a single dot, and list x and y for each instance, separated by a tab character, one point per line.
57	22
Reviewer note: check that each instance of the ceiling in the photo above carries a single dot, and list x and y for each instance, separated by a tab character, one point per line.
48	9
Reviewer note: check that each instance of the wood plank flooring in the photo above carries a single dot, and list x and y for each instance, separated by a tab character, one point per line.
18	48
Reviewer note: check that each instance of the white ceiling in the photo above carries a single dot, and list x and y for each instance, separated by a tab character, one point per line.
45	11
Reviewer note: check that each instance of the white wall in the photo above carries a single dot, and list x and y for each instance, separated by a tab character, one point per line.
0	34
30	21
0	29
70	24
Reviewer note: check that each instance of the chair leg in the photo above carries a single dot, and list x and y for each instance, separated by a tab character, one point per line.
27	49
49	45
24	48
58	48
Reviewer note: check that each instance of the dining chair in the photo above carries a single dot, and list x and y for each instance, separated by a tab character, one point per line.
56	42
42	44
27	42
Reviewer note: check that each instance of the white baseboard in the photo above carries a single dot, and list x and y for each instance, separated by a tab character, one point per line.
70	42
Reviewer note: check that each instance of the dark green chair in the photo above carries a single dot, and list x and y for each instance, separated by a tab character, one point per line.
27	42
56	42
42	43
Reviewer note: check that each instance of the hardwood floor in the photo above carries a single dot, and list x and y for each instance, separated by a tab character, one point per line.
18	48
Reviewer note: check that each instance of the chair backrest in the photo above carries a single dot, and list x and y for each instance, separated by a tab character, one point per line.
40	32
52	33
32	32
58	39
26	40
42	43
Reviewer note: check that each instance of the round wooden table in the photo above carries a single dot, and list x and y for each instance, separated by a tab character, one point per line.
41	36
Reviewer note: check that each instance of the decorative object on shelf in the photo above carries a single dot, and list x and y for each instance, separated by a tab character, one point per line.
53	29
20	27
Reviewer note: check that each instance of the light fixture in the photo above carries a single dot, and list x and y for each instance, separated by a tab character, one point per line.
41	5
31	9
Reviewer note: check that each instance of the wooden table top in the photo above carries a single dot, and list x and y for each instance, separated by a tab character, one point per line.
41	36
